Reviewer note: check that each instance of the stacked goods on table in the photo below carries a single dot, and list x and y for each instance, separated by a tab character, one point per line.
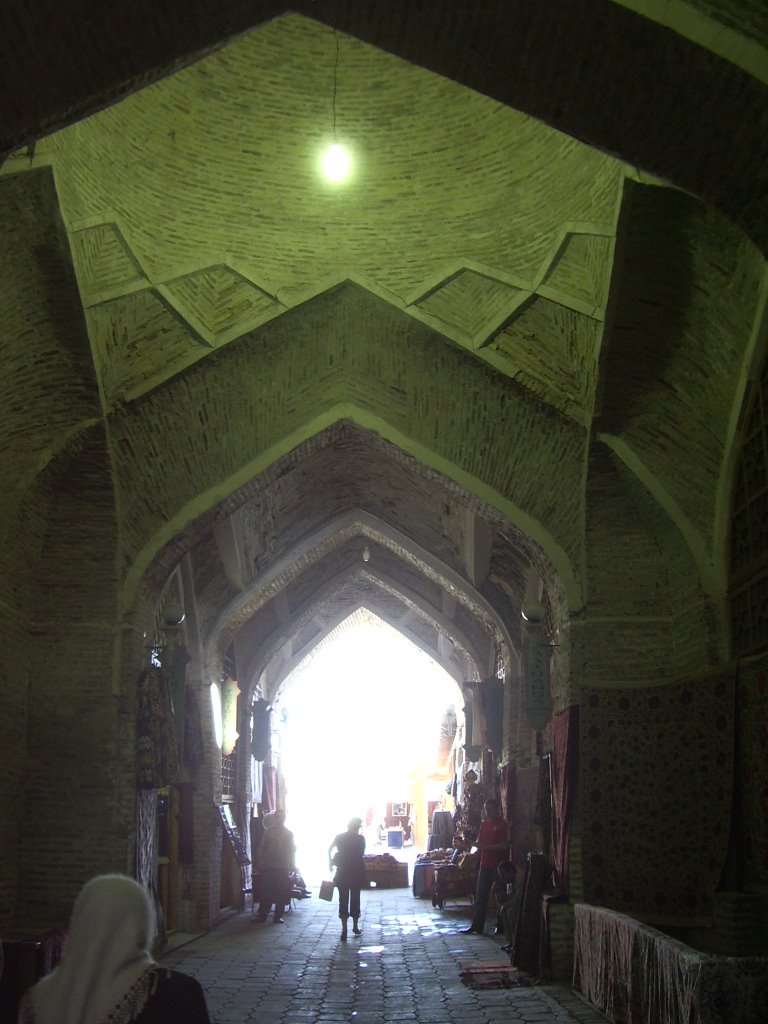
436	856
423	869
384	872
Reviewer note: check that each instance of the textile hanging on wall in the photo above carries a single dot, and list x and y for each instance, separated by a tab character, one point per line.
492	701
537	657
442	829
472	808
527	943
447	735
752	753
146	851
176	672
257	781
468	716
565	770
194	745
261	737
657	780
488	774
506	790
146	836
186	822
524	803
635	973
157	751
269	790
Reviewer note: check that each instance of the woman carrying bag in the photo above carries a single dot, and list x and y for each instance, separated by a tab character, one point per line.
346	854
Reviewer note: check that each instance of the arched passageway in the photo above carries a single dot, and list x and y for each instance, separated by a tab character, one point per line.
346	522
361	725
508	364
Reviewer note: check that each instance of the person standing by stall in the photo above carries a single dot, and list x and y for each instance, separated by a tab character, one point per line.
493	845
276	858
346	855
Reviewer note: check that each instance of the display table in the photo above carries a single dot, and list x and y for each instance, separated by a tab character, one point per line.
423	871
422	879
384	872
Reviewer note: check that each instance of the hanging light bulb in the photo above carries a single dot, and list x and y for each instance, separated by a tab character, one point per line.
336	161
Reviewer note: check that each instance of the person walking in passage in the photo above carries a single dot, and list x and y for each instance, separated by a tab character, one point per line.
276	858
493	844
106	974
346	854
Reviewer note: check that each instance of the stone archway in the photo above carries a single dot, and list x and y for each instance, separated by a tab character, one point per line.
443	567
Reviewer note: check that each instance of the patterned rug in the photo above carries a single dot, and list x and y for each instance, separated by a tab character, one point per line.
493	976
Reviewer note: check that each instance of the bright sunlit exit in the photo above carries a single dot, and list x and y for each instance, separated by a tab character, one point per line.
336	163
362	720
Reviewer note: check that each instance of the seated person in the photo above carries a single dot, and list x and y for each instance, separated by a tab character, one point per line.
298	886
459	847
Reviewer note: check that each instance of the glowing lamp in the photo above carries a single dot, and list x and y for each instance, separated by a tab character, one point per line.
336	163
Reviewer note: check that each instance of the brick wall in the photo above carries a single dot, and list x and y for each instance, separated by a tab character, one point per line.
73	825
15	602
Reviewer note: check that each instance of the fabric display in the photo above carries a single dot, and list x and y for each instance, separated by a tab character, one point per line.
657	779
157	749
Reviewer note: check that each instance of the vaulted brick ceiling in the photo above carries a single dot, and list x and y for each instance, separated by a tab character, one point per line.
196	213
196	218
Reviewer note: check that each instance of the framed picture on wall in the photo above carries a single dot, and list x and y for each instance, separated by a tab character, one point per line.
400	810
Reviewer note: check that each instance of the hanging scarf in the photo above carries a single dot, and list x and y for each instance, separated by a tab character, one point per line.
157	748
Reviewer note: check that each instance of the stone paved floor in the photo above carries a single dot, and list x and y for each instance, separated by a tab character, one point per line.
405	967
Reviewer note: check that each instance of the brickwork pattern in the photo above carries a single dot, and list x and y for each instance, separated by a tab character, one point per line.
147	407
682	321
687	114
306	381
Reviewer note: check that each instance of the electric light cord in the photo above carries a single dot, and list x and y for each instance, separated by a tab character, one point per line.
335	84
335	164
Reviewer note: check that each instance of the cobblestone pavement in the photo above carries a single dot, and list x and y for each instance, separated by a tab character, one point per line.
404	967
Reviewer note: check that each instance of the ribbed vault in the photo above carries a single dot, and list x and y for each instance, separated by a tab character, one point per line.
445	361
686	102
514	350
346	521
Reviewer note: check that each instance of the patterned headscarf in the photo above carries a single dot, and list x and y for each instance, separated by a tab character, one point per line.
106	953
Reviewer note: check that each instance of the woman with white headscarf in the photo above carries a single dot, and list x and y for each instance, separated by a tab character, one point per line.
106	974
